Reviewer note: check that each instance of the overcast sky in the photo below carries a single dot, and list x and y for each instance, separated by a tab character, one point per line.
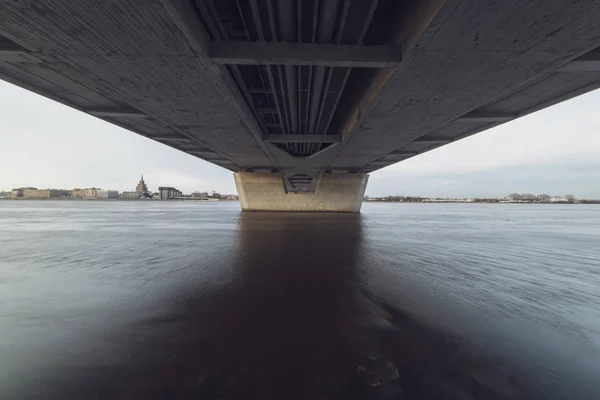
47	145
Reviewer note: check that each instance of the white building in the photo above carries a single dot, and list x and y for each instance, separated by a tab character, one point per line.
107	194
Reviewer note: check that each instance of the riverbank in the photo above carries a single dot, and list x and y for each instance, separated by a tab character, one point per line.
483	202
144	200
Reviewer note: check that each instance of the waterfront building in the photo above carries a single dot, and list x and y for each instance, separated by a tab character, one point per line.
28	192
34	193
198	195
107	194
15	193
130	195
90	193
167	193
77	193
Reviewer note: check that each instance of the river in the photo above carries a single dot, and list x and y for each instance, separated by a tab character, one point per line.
178	300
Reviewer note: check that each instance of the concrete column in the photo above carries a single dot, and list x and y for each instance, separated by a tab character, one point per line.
335	193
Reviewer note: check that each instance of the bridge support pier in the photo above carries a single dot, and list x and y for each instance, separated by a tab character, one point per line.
334	193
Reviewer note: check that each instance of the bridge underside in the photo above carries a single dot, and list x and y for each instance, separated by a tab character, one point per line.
303	89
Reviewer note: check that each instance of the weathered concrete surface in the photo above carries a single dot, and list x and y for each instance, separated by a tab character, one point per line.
335	193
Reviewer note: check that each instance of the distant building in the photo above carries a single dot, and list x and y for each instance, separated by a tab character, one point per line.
58	193
33	193
91	193
16	193
141	186
167	193
28	192
198	195
88	193
131	195
53	193
107	194
77	193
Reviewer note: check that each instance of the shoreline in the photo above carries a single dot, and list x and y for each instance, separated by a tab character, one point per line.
144	200
585	202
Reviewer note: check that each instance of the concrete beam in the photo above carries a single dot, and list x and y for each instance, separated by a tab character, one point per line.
266	110
487	116
258	90
433	140
8	55
116	112
387	159
10	51
11	55
185	17
170	138
259	169
303	138
381	162
589	62
273	124
204	150
330	55
401	153
201	154
9	45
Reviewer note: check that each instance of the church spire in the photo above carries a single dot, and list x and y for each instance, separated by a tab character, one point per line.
141	186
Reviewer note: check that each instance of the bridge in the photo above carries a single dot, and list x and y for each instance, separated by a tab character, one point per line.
302	99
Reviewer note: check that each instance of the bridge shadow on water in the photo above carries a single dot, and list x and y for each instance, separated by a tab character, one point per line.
293	320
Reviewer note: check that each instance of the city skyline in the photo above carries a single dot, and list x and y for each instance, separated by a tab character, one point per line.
137	188
141	192
141	189
45	144
90	191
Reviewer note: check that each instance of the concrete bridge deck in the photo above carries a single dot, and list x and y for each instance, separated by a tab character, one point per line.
303	88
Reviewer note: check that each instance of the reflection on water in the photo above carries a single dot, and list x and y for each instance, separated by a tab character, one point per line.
238	306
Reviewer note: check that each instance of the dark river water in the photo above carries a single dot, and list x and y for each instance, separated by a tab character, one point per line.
184	300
